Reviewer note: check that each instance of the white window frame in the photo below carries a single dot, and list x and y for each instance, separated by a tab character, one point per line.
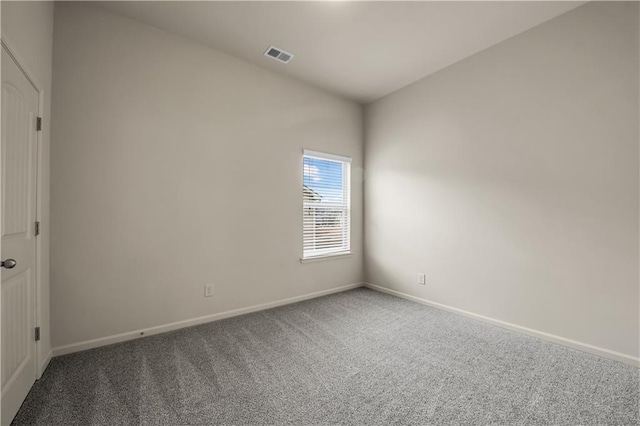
345	250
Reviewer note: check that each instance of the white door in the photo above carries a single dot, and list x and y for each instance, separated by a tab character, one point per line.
18	179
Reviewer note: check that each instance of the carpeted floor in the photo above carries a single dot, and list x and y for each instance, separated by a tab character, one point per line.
359	357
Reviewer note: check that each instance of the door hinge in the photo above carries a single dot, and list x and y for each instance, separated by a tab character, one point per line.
37	228
37	333
39	123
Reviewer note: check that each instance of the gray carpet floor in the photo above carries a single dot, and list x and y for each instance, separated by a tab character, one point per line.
358	357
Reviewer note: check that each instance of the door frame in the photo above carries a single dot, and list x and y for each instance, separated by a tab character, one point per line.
42	359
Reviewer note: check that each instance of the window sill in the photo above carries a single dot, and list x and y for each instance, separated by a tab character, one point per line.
325	257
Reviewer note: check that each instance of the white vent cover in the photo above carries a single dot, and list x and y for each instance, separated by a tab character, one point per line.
278	54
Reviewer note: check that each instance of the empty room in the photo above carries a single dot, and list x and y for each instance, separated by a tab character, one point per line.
320	213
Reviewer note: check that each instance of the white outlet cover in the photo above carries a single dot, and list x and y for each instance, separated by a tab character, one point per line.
208	290
421	279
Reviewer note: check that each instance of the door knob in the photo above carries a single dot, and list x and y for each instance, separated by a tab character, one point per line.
8	264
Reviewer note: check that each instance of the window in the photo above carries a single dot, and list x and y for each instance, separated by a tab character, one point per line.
326	204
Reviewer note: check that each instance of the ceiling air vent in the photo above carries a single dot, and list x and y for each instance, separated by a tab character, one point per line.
278	54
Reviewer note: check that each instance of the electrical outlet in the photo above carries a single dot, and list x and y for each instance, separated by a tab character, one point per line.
421	279
208	290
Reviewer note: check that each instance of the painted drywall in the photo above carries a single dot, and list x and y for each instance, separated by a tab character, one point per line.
511	180
27	28
175	165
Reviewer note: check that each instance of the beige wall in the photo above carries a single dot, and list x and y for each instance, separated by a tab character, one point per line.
511	180
27	28
175	166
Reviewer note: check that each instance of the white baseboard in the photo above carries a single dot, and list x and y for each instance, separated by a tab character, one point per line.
585	347
45	363
123	337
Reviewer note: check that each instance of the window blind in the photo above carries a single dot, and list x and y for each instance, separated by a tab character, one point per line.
326	197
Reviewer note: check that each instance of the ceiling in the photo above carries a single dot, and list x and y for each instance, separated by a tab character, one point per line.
359	50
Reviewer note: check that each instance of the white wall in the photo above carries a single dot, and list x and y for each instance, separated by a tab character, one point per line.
27	28
511	180
174	166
